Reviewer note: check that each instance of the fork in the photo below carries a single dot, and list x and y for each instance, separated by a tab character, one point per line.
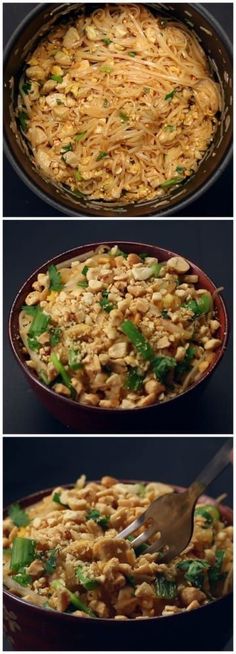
171	515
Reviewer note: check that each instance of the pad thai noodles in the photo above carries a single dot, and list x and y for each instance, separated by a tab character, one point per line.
118	104
63	554
114	329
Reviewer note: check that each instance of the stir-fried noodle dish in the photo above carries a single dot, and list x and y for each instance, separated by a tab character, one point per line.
119	104
63	553
117	330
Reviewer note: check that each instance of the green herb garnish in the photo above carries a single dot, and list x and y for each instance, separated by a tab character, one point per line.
38	326
22	578
106	41
131	580
156	269
30	310
101	520
184	366
54	278
22	554
146	89
23	119
141	548
74	359
57	78
172	182
83	283
18	516
170	95
62	371
132	53
161	367
74	599
165	314
33	343
180	169
102	155
137	339
55	335
195	571
105	303
26	87
78	175
211	510
202	305
51	562
87	582
165	589
134	380
44	378
57	498
66	148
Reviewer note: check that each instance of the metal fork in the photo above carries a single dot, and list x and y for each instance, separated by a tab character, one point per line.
171	516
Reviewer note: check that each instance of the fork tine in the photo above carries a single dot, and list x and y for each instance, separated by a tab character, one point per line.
138	522
144	536
155	547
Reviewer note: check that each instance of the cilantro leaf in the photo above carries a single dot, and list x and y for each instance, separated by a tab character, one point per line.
55	279
18	515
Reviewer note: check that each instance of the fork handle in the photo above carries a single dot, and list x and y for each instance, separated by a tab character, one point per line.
212	470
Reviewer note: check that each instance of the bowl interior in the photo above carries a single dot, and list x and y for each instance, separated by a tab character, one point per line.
38	23
162	255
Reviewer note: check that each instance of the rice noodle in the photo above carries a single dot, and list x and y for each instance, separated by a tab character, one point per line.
129	94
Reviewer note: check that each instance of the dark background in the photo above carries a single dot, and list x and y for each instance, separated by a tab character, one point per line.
36	463
20	201
32	464
27	244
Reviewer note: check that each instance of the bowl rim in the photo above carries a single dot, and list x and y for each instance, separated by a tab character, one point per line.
112	411
67	616
34	188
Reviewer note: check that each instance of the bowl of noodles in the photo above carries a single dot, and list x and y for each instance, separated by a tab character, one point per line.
69	577
118	110
110	330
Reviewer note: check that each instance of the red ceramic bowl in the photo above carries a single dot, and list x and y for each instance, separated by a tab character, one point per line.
95	419
29	627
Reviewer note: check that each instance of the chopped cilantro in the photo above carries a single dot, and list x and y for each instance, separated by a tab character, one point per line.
101	520
57	78
134	380
105	303
23	119
107	41
55	335
102	155
165	589
26	87
54	278
18	516
170	95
